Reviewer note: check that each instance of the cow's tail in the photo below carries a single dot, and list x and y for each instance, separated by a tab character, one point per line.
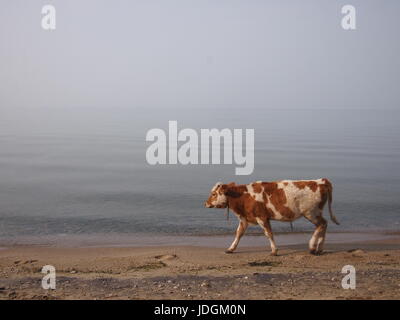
333	218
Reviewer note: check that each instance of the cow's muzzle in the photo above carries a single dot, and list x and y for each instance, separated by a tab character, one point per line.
207	205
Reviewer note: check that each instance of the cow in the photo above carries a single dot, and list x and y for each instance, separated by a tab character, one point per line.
286	200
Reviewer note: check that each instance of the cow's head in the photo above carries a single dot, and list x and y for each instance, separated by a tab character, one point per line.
220	194
217	198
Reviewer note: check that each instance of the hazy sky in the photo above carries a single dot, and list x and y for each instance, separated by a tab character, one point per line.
199	53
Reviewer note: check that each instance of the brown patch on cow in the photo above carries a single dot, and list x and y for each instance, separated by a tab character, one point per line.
234	191
261	211
265	198
285	184
225	187
327	182
302	184
245	206
313	186
278	199
269	187
257	187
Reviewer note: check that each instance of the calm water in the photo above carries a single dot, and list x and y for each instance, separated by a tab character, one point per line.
81	172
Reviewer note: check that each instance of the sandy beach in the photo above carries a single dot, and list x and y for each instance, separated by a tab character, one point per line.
200	272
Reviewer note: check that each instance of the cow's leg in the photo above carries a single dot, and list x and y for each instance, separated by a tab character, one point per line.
266	225
318	238
239	233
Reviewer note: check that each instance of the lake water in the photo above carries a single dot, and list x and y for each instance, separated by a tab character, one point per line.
83	172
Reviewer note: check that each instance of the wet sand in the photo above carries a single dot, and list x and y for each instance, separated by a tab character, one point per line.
254	239
204	272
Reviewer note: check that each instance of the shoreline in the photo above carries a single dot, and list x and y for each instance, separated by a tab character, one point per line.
212	241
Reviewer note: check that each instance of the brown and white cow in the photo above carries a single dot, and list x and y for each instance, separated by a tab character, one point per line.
286	200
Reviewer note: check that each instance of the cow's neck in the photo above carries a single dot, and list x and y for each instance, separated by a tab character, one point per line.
236	205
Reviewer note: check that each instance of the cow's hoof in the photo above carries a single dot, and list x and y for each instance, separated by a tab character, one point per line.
313	251
274	253
228	251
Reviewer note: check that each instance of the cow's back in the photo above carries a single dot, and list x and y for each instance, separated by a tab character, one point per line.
287	200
